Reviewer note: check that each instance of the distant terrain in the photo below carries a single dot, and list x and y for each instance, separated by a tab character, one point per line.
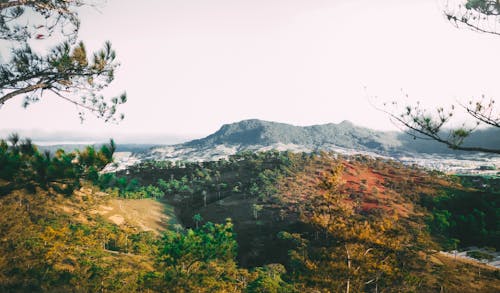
344	135
133	148
345	138
255	134
265	221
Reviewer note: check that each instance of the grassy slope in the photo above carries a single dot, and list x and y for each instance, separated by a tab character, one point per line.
52	241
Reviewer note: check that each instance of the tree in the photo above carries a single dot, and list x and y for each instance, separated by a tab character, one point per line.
361	251
420	123
478	15
269	280
200	260
22	165
67	71
197	219
256	208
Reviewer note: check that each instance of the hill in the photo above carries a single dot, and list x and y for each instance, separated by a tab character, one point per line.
265	133
54	243
317	222
345	137
306	210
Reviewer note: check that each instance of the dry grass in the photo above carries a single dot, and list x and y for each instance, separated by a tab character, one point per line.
146	214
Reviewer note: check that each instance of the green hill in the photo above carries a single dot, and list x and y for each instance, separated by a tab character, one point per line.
345	134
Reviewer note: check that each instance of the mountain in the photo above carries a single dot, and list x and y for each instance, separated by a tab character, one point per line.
265	133
255	134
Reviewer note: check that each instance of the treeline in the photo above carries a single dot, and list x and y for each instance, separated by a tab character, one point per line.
22	165
462	218
127	188
200	183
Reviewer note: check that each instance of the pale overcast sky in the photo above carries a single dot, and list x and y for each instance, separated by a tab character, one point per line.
190	66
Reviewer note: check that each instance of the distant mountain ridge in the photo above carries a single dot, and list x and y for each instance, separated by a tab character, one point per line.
344	138
260	135
266	133
253	132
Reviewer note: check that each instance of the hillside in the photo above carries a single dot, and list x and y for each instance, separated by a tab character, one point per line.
54	243
303	210
256	222
258	132
344	134
345	137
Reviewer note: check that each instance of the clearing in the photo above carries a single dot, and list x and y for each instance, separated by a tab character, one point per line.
147	214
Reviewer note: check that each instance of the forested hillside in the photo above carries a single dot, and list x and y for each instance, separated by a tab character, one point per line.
323	207
258	222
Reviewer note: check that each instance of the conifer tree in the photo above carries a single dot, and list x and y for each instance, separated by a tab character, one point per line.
481	16
67	71
478	15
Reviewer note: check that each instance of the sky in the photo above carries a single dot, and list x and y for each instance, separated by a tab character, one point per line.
189	66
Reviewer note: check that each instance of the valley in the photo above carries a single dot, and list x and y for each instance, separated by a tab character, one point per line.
249	218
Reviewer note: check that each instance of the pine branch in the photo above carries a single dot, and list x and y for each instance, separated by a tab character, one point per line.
471	26
27	89
16	3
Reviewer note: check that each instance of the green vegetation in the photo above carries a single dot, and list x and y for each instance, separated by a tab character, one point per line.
126	188
480	255
67	70
300	223
199	258
377	222
247	173
471	216
23	166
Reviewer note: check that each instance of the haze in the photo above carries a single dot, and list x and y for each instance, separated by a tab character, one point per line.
190	66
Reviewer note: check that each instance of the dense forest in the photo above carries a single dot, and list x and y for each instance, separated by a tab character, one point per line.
256	222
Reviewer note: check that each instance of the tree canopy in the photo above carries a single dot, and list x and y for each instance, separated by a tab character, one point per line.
67	71
478	15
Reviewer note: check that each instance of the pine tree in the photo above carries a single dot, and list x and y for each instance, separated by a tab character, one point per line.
478	15
67	71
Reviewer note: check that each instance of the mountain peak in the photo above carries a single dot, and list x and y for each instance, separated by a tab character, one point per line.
346	123
266	133
260	135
